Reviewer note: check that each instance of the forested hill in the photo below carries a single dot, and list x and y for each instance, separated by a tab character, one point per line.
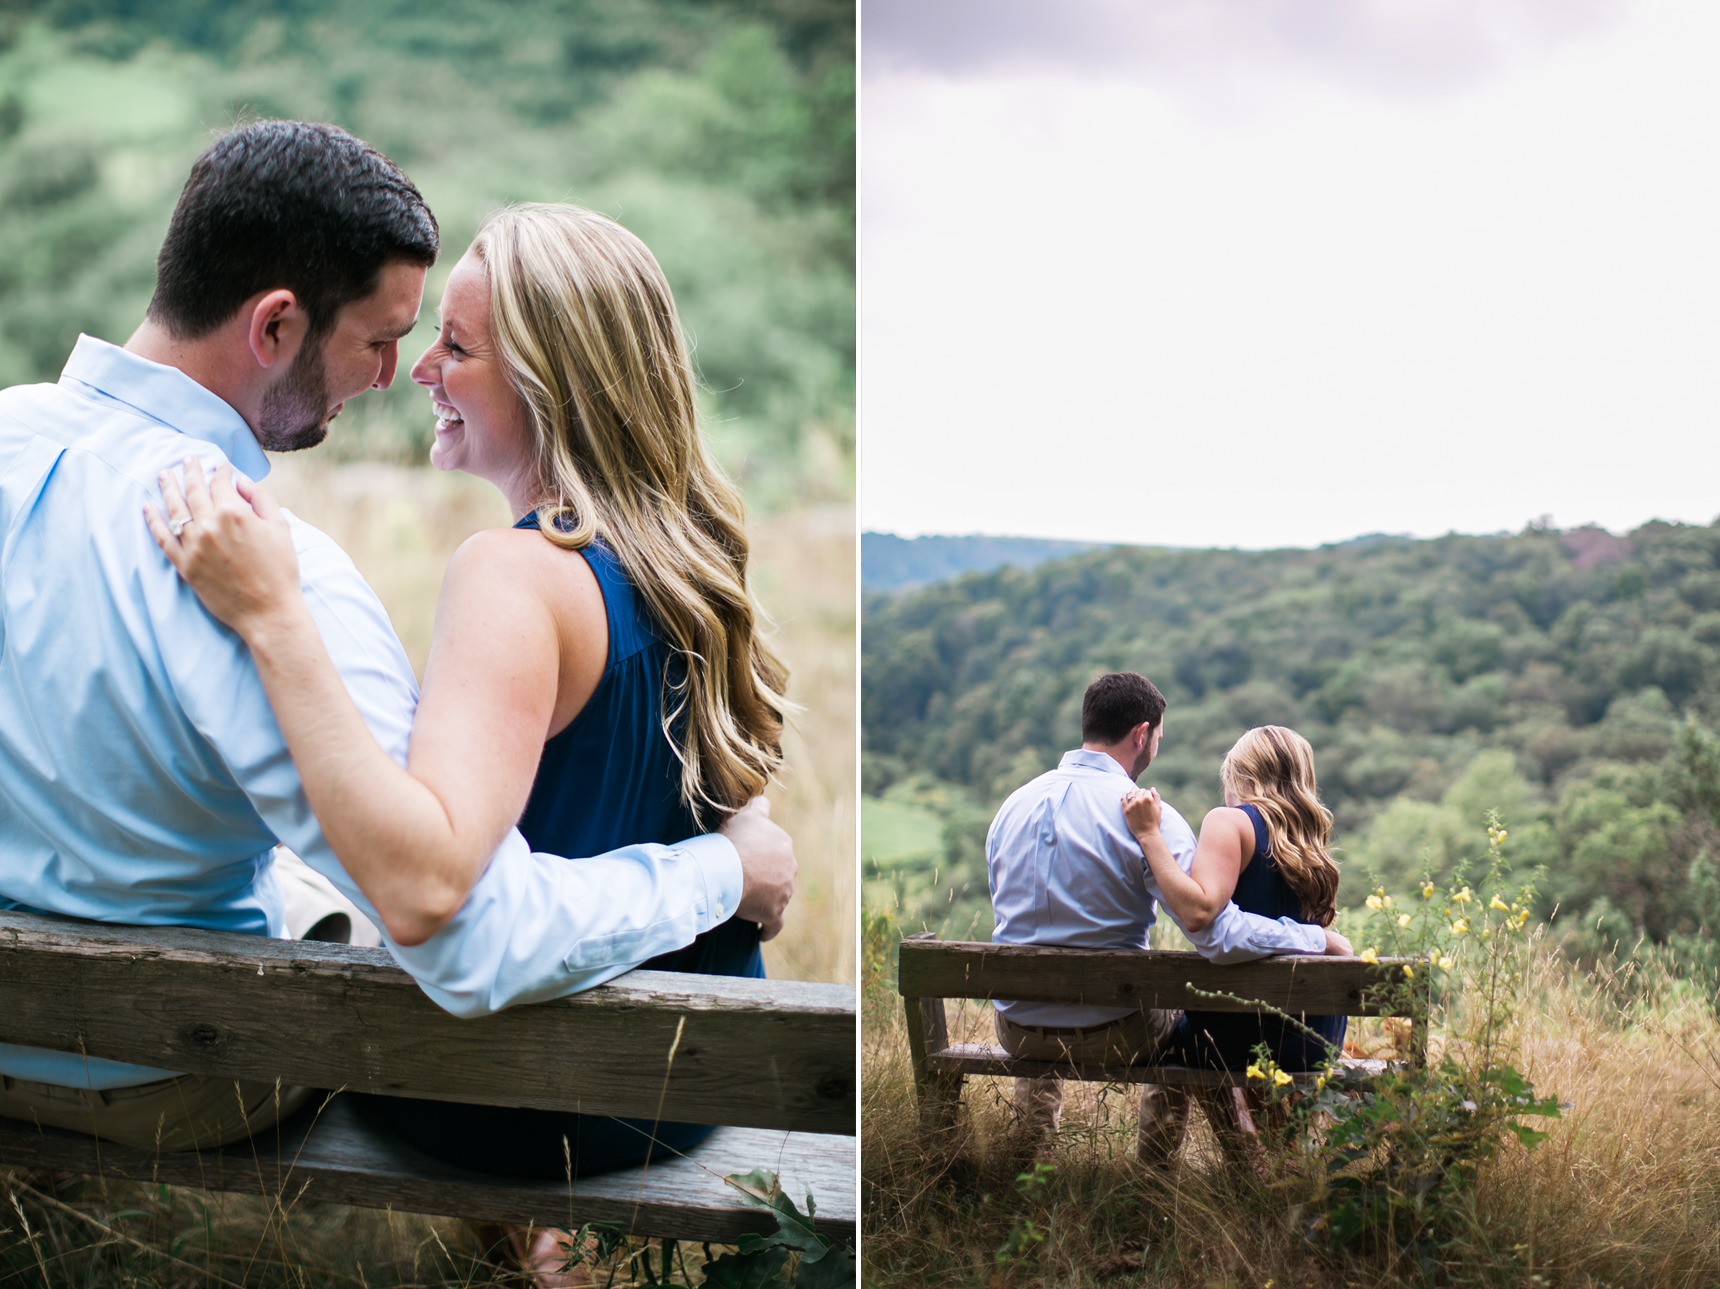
892	563
720	131
1546	674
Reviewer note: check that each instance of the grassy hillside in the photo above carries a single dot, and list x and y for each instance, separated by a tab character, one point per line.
722	133
1566	679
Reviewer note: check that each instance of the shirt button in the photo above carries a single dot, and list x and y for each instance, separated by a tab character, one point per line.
720	912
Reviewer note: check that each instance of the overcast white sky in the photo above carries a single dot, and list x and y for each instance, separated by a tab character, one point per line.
1281	272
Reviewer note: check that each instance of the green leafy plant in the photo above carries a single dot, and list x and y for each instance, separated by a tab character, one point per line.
795	1253
1025	1235
1395	1155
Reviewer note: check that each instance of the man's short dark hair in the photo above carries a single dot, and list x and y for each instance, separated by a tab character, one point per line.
289	204
1114	704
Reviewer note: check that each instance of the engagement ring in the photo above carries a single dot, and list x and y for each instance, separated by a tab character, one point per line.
177	526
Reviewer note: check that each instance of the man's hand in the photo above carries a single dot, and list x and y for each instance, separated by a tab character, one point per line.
1337	944
767	866
1141	811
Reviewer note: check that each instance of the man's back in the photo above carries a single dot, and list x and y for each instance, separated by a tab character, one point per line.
1064	871
124	708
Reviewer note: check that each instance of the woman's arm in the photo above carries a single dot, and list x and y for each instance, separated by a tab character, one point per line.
414	842
1198	896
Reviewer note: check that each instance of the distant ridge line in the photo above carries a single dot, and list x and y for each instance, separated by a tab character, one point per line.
892	563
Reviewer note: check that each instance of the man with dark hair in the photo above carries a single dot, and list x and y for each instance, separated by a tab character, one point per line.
1116	703
143	778
313	221
1065	870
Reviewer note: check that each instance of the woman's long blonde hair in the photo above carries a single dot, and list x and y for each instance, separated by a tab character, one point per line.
1272	769
583	318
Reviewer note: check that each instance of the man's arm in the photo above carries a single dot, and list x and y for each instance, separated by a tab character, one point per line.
1232	935
535	926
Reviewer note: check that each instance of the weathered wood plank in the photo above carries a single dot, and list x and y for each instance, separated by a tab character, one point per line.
988	1059
1150	978
338	1158
751	1053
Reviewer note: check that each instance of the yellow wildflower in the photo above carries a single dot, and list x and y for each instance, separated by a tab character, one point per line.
1369	955
1460	927
1409	971
1255	1072
1320	1082
1279	1078
1403	919
1463	896
1497	903
1443	962
1427	890
1375	901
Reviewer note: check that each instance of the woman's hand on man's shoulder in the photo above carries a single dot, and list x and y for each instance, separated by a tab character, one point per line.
1142	810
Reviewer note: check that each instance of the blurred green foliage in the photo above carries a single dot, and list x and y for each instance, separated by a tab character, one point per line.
1569	680
721	131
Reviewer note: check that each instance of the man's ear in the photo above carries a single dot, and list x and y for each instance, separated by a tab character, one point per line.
277	328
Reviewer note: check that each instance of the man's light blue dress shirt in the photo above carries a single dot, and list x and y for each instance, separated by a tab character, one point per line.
1065	870
143	778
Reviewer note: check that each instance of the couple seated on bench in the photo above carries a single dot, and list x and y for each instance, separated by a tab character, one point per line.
1081	858
596	674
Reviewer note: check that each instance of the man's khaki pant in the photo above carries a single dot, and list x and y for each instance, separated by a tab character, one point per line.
1136	1039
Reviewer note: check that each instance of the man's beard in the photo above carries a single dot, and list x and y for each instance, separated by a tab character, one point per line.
294	415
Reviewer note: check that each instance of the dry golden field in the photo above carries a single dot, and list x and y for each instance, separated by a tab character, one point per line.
1624	1193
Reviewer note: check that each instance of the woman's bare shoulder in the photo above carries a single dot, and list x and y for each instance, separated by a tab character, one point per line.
1229	821
1226	816
516	575
521	561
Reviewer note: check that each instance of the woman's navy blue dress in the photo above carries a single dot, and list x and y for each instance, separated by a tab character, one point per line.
1226	1040
610	779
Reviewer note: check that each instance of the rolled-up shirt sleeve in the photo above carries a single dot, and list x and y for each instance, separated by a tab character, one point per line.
535	926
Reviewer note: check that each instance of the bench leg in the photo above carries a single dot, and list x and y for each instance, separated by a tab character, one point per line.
939	1092
1418	1025
940	1102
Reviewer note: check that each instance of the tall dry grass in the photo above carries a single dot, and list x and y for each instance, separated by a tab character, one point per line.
1625	1192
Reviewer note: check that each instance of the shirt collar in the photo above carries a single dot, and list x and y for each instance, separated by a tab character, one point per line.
1093	761
168	395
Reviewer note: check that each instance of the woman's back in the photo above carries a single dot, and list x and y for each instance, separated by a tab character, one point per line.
611	778
1227	1039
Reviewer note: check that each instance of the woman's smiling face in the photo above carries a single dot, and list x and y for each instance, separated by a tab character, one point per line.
482	425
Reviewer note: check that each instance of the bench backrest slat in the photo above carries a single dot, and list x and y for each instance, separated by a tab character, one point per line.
930	968
748	1053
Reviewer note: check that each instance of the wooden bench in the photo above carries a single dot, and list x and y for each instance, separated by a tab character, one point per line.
773	1060
932	970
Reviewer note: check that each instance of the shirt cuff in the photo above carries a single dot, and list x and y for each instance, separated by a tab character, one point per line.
720	865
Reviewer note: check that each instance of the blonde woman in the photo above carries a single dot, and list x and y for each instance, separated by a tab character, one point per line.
1267	848
596	673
